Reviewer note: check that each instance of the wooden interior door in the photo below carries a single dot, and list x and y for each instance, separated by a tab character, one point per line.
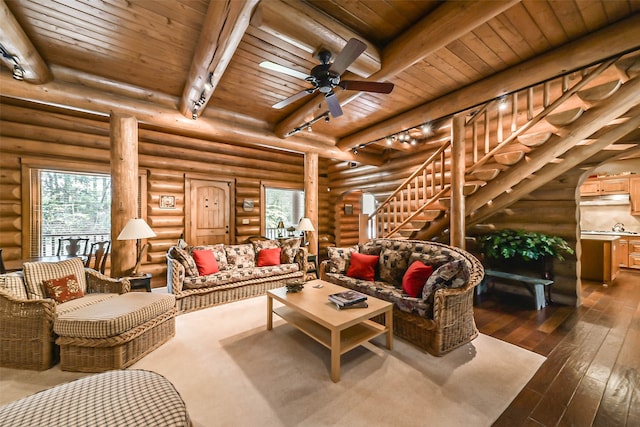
210	212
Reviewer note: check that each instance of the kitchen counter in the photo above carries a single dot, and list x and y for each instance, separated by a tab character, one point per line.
599	237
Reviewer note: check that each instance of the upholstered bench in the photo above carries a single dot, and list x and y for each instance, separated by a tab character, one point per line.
114	398
114	333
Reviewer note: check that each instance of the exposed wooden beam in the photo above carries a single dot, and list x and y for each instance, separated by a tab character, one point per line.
89	99
16	42
310	29
610	41
224	26
439	28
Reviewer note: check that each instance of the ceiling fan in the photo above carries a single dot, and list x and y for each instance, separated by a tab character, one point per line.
326	76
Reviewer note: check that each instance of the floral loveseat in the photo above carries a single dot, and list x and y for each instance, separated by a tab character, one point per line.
439	317
27	314
240	271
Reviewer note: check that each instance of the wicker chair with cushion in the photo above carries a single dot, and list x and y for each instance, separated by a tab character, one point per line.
27	314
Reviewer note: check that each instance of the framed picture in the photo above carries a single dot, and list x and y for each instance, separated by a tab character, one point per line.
348	209
167	202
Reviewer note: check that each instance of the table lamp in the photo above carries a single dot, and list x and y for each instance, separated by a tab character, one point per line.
137	229
305	225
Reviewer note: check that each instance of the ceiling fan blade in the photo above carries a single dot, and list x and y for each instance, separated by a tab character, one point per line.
282	69
333	104
292	98
350	52
366	86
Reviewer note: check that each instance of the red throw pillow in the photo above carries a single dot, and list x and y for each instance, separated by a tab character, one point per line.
363	266
270	256
63	289
205	261
415	277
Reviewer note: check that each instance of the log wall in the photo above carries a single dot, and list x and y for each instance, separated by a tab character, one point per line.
551	209
166	160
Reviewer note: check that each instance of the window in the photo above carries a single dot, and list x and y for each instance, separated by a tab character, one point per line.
68	204
282	204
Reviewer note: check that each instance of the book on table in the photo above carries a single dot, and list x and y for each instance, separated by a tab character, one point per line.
361	304
347	298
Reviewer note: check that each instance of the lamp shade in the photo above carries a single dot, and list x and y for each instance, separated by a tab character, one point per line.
305	225
281	224
136	228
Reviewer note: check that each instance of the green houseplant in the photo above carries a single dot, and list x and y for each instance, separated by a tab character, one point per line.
516	249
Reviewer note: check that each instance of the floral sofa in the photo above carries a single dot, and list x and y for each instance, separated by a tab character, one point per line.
430	284
239	271
28	310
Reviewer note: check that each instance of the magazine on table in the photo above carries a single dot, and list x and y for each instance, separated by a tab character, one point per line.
346	298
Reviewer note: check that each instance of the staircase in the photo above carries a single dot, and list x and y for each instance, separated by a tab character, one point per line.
516	144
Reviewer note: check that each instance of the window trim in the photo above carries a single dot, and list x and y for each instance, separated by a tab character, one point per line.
264	184
29	188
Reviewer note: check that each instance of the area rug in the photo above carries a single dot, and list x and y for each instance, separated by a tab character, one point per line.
231	371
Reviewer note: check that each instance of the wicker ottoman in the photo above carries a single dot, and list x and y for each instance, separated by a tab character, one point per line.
115	398
115	333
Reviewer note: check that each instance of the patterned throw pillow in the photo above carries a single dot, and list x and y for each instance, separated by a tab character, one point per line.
258	245
339	259
434	259
37	272
370	248
454	274
14	284
184	258
393	264
63	289
289	249
241	256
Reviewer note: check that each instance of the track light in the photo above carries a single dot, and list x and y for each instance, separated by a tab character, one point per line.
310	129
426	129
194	113
326	119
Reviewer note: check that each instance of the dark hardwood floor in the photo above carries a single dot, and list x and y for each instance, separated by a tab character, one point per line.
592	373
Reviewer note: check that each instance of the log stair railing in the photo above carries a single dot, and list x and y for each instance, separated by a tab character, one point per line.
498	150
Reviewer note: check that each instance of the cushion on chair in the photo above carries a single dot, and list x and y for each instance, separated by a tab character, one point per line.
116	398
113	316
37	272
14	284
86	300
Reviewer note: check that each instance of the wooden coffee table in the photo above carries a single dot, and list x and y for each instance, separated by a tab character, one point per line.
339	330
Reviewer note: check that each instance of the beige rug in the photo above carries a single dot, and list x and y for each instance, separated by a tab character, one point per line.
231	371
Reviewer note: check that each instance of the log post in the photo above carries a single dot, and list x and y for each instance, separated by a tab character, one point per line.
457	214
311	197
124	189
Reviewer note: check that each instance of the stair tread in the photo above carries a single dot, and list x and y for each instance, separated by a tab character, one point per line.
600	92
565	117
534	139
509	158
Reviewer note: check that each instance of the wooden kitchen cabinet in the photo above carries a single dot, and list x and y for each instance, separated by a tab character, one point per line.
634	194
599	259
623	252
590	187
614	185
634	253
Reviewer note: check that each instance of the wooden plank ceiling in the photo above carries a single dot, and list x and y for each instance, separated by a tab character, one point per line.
156	50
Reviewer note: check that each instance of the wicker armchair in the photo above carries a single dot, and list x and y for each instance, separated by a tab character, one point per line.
26	325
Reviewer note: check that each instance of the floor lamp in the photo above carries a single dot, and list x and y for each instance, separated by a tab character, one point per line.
137	229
